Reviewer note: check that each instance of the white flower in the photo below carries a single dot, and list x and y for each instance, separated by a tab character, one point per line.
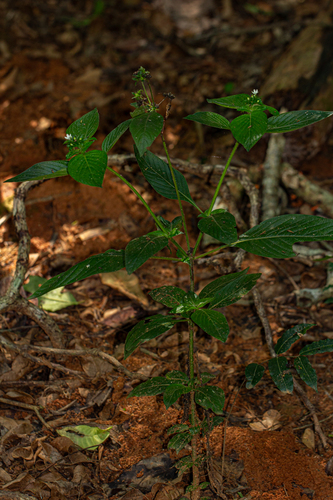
68	137
255	91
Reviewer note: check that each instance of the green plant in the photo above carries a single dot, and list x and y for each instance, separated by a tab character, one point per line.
272	238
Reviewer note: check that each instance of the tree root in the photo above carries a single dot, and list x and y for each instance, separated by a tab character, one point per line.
12	299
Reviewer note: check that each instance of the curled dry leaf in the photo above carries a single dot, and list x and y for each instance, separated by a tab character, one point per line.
270	422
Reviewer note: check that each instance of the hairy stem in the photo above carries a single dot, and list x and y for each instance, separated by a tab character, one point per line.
145	91
157	222
217	190
195	471
177	192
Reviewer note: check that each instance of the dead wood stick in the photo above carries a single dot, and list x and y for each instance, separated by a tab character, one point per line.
12	299
76	352
307	190
264	320
22	350
27	407
307	403
271	179
84	352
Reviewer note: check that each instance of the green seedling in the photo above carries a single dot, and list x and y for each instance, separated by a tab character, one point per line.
272	238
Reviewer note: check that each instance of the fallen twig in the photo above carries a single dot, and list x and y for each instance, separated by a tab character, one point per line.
22	350
27	407
68	352
307	190
271	180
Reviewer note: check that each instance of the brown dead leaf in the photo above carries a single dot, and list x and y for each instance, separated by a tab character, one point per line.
81	474
96	231
167	492
96	367
4	476
118	317
25	452
308	438
147	370
50	477
128	284
133	494
8	81
21	396
48	453
270	422
20	482
21	430
20	367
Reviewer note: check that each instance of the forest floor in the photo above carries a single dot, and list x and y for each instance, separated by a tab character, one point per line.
58	61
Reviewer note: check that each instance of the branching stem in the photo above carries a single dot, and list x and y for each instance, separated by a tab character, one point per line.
217	190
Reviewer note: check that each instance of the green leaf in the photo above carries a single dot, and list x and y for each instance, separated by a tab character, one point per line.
282	379
206	377
84	127
317	347
212	322
177	428
85	436
220	224
111	260
290	336
145	128
179	441
287	122
183	465
157	173
306	372
147	331
210	119
139	250
152	387
234	290
173	392
253	374
248	129
275	237
189	302
177	377
111	139
171	228
42	170
89	168
232	101
215	286
52	301
170	296
210	398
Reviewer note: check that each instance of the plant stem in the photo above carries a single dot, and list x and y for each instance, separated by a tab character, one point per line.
157	222
212	251
218	187
145	91
174	259
195	471
177	192
217	190
151	92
